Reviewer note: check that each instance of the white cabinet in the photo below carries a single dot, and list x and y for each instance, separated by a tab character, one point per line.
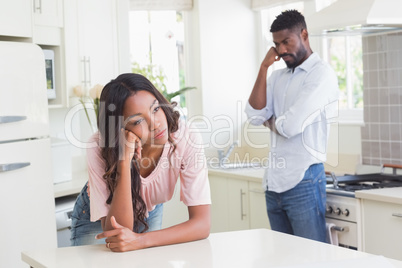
229	209
48	22
91	51
48	12
258	208
40	19
237	204
16	18
219	204
382	228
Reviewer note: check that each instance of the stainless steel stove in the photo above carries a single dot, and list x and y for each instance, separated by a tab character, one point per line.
343	209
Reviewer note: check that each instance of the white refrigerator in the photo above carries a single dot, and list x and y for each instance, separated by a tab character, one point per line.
27	206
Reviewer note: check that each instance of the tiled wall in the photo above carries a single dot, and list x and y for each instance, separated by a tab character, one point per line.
382	66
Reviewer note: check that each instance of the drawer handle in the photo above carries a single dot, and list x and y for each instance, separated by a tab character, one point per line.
13	166
11	119
399	215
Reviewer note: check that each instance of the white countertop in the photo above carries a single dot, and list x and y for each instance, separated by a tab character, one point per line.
391	195
250	248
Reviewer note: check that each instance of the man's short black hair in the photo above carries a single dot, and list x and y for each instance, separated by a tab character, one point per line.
289	19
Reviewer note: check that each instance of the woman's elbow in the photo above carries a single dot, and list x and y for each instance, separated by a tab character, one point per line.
205	230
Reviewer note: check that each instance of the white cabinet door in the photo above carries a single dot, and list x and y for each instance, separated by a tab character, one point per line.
238	205
23	97
48	12
26	194
16	18
229	209
91	52
98	40
220	204
382	228
258	208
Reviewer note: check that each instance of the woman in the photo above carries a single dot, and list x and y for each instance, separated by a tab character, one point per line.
141	150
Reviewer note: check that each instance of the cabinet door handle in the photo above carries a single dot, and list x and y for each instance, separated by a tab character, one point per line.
11	119
89	72
399	215
242	214
13	166
37	7
86	63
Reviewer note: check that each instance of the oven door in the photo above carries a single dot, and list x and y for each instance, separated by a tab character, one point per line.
347	237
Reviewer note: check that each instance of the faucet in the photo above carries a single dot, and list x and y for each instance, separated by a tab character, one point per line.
223	156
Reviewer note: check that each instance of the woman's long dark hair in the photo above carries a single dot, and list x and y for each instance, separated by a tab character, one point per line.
110	121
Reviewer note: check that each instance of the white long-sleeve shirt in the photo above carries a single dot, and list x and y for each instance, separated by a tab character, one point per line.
304	103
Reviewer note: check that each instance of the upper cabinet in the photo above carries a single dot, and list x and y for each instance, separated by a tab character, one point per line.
83	35
48	21
91	51
48	12
16	18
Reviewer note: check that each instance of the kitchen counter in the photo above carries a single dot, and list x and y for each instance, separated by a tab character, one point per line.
390	195
249	248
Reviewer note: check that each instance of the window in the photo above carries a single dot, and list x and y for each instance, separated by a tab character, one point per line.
344	53
157	50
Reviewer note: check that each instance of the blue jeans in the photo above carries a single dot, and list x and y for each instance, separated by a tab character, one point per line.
83	231
301	210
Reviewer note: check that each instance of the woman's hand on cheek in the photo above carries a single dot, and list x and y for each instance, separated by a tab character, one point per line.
131	144
120	239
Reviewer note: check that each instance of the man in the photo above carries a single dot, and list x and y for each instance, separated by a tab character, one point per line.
296	103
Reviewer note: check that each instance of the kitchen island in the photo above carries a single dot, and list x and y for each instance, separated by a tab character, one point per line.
248	248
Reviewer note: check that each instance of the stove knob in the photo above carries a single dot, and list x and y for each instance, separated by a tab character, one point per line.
329	210
338	211
346	212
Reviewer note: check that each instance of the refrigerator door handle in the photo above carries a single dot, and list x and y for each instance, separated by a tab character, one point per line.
13	166
11	119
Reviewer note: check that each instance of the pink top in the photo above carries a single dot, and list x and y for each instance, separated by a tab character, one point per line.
187	162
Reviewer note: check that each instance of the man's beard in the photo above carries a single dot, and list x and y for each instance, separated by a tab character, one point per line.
299	56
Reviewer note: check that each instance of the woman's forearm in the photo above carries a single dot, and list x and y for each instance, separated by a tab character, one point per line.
122	206
196	228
